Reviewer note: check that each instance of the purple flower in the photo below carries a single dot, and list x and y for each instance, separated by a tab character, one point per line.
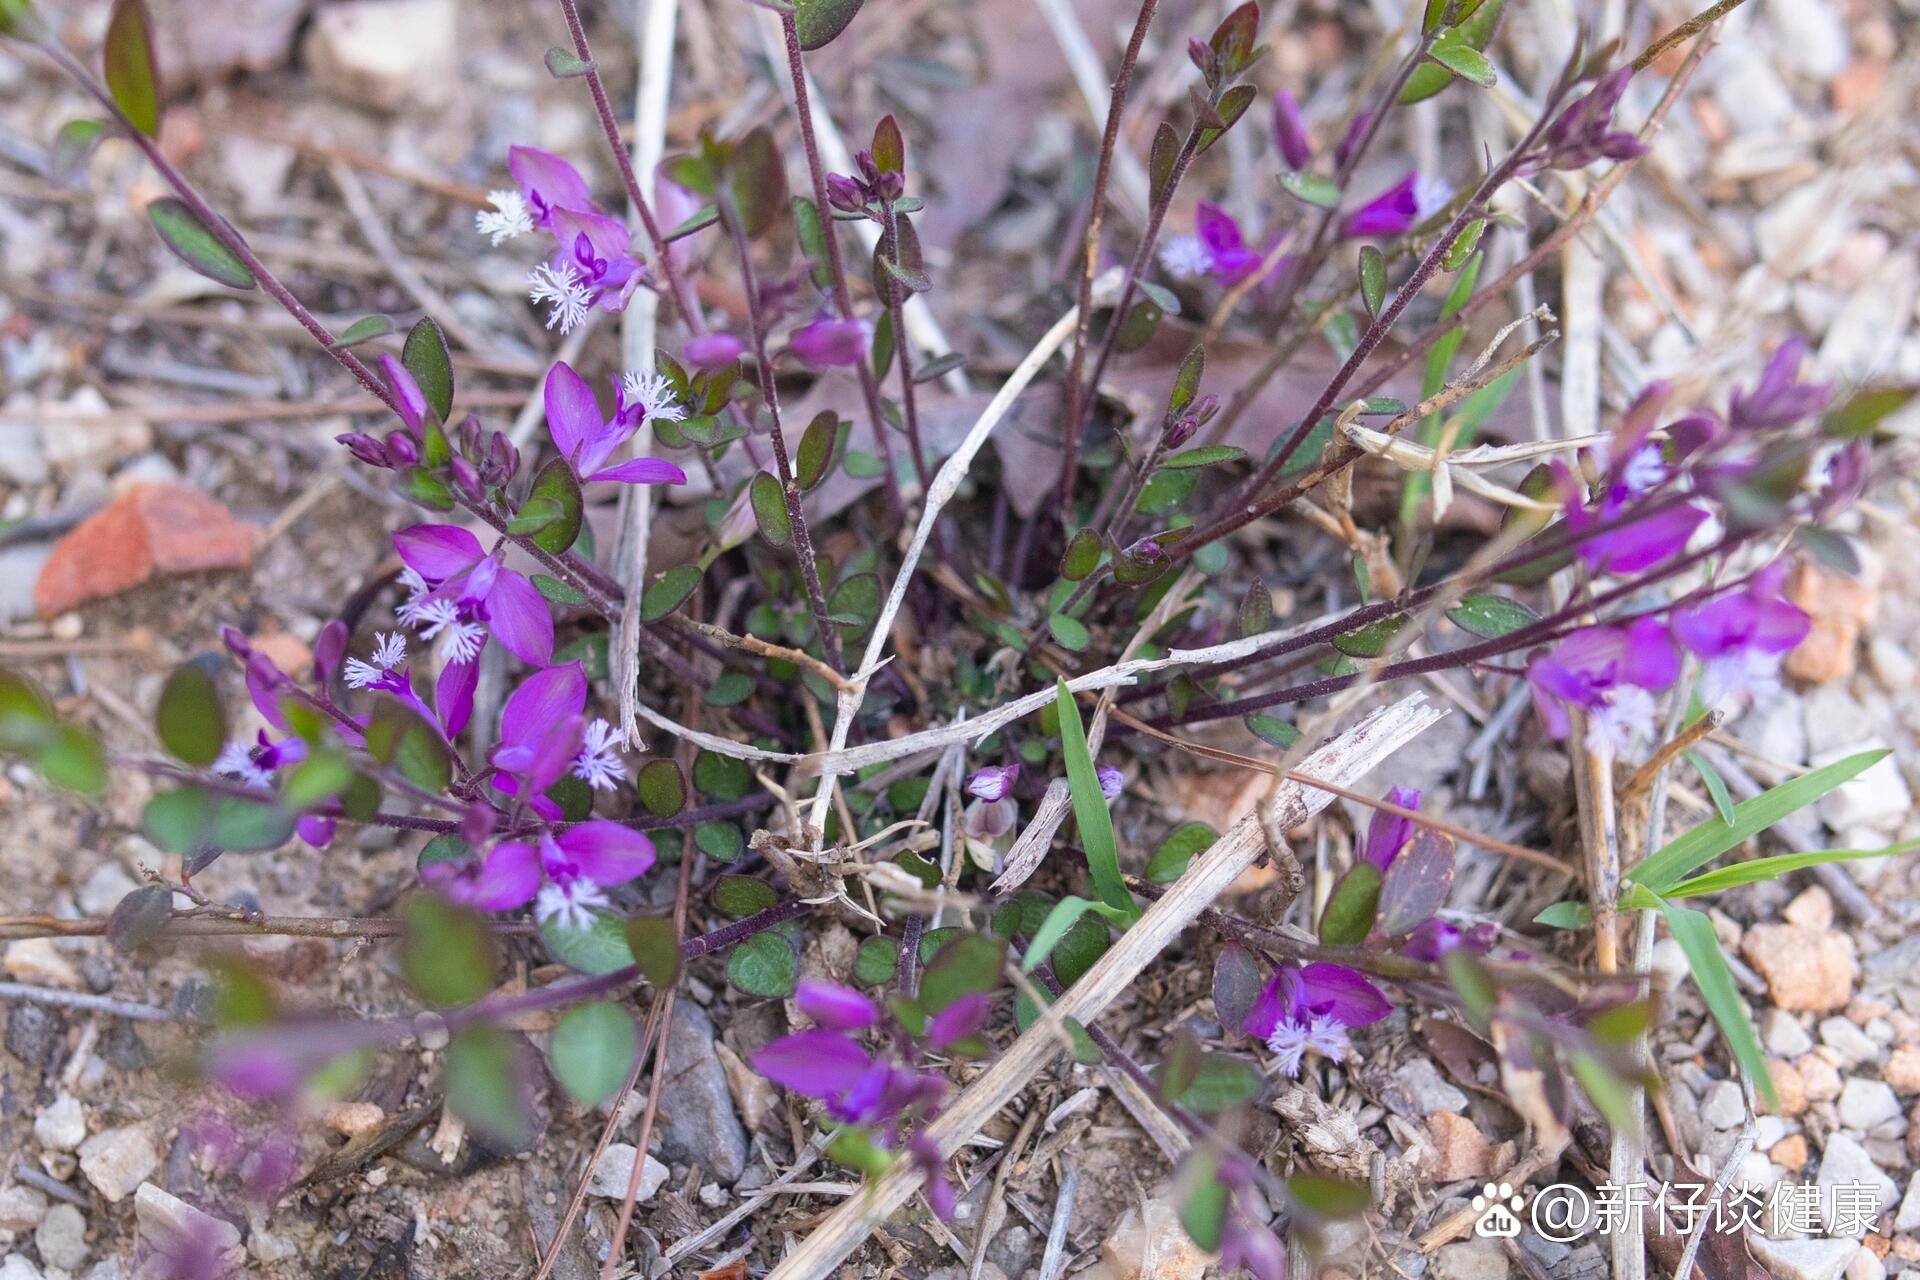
1216	248
257	764
471	595
993	782
1290	131
409	401
1112	783
1396	210
577	866
543	734
1388	833
833	1006
1608	672
547	184
821	1064
1843	479
957	1021
1742	636
1583	132
587	439
592	266
1779	399
831	341
1312	1006
1632	542
712	350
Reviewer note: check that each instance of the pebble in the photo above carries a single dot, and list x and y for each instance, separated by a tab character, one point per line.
1893	665
1669	965
165	1221
61	1125
1790	1153
21	1207
22	461
698	1124
15	1267
1821	1080
104	888
19	570
1722	1106
1777	728
614	1170
1812	909
1908	1218
117	1161
1803	1259
1812	38
1903	1070
1788	1085
1846	1162
383	54
107	437
62	1237
1426	1089
1783	1035
1469	1260
1866	1265
1866	1103
148	529
1461	1149
1852	1044
1877	798
1805	969
34	1035
1148	1243
1839	605
37	962
351	1119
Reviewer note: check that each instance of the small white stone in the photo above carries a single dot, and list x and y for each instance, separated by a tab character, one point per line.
1768	1132
1891	663
1803	1259
1876	798
15	1267
1909	1216
62	1237
615	1169
1426	1089
1849	1041
1722	1105
21	1208
1670	967
37	962
1783	1034
1866	1265
383	54
166	1220
1865	1103
1844	1162
62	1125
104	888
116	1161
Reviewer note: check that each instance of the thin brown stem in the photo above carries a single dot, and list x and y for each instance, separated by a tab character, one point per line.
903	352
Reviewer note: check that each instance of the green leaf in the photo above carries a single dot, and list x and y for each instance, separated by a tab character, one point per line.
720	841
487	1086
555	590
446	951
1490	616
668	592
127	59
1683	854
1565	915
817	22
427	358
1272	730
72	144
1716	785
662	788
26	718
1694	932
813	458
1186	382
876	961
599	948
594	1046
1060	920
756	181
1328	1197
1772	868
770	509
315	780
1205	456
365	329
1607	1092
397	736
1473	32
1169	861
1221	1082
1203	1199
190	720
743	896
763	965
534	515
655	949
729	689
1312	188
73	758
1472	983
557	486
194	244
1863	411
1466	62
1373	278
1372	639
1462	248
565	64
1082	556
1348	917
968	965
1090	809
1070	632
192	822
721	777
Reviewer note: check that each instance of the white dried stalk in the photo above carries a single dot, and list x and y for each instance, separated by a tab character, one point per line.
1343	761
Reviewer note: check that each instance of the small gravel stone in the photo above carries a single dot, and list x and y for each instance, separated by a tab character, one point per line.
1803	1259
1462	1151
1469	1260
34	1035
37	962
1909	1216
1865	1103
1877	797
1789	1086
21	1208
1811	909
1903	1070
1426	1089
61	1125
1722	1106
1852	1044
1790	1153
166	1221
116	1161
104	888
1866	1265
15	1267
615	1169
62	1237
1817	1075
698	1124
1805	969
1669	965
1846	1162
1783	1035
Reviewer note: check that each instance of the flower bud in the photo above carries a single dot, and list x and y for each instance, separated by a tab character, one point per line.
329	647
364	447
892	185
828	341
1290	131
467	478
401	450
470	434
236	641
993	782
1200	53
409	402
844	193
712	350
1180	430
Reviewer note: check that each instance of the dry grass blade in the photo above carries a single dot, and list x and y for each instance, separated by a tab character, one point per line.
1344	760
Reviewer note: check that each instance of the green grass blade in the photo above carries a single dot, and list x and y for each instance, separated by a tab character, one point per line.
1090	810
1694	932
1768	868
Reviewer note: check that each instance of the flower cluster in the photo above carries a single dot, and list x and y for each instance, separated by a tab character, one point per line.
593	263
993	811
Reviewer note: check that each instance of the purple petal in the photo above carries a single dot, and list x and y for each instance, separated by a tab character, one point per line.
1387	833
819	1064
438	551
993	781
1112	783
957	1021
1650	659
573	415
642	471
1643	542
606	852
1216	228
1268	1007
553	754
1390	213
409	401
329	648
315	830
547	181
508	878
1290	131
543	700
453	695
265	683
518	616
712	350
1341	994
833	1006
828	341
254	1068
